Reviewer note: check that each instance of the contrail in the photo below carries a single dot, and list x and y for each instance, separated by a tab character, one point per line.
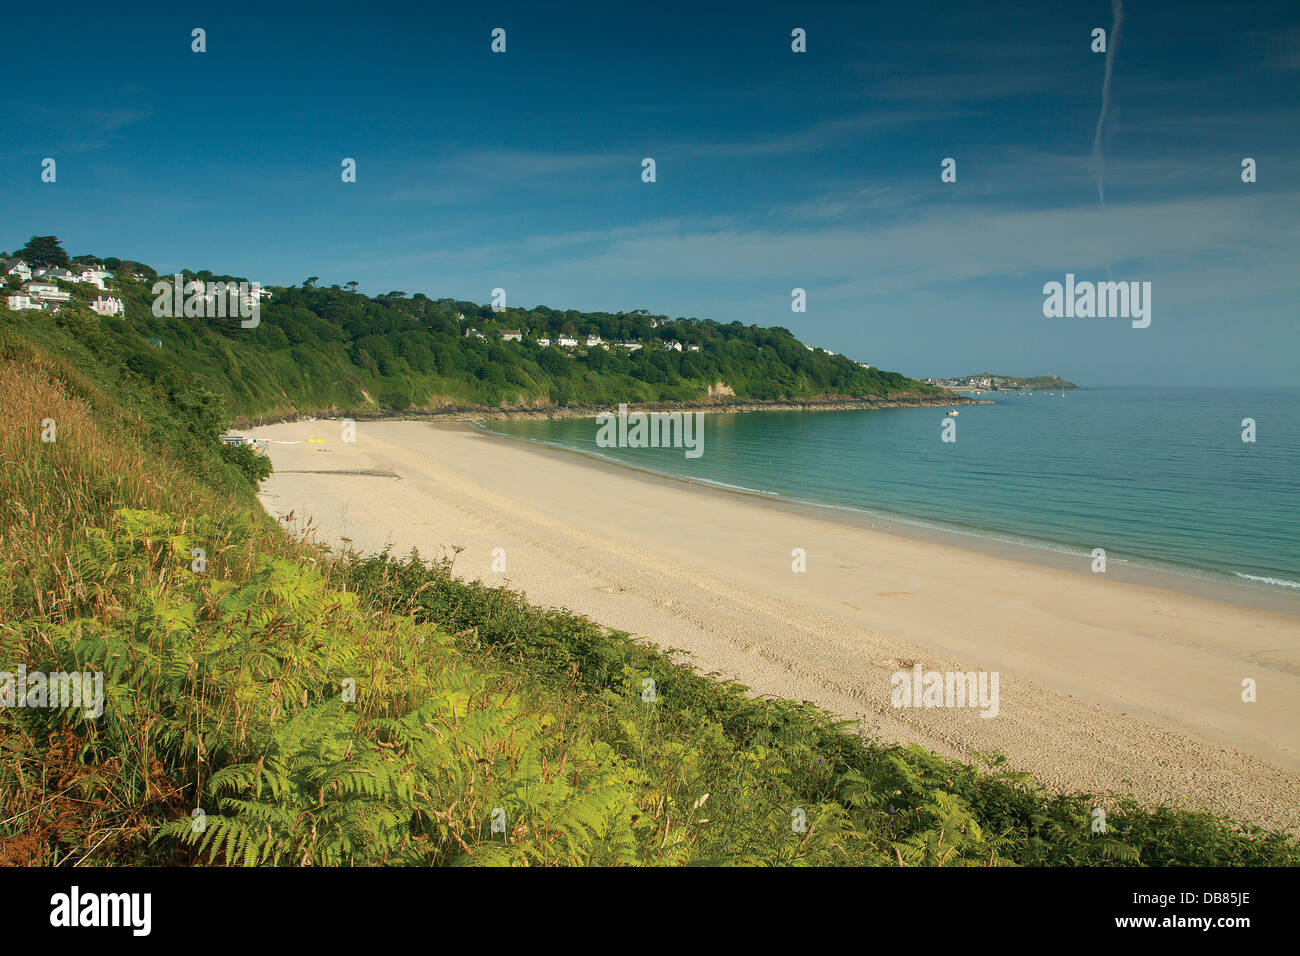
1098	161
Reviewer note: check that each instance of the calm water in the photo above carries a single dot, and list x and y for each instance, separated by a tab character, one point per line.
1154	476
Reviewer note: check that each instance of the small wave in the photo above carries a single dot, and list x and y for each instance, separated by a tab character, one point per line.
722	484
1272	582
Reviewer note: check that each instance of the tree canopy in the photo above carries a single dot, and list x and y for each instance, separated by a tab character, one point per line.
44	251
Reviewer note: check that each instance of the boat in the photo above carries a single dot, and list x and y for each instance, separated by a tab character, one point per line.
953	411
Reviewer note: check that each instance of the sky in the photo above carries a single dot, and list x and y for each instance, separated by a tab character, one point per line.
774	170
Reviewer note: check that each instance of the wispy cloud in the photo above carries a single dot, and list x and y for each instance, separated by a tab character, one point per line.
846	203
1209	244
57	130
1112	48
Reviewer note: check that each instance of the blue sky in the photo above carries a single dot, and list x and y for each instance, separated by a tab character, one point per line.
774	170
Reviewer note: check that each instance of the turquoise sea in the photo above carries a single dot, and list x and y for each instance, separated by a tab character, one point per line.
1155	476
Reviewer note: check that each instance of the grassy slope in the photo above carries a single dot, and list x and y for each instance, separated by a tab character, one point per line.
230	690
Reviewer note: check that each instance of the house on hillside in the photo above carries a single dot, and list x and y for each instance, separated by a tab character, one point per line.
511	335
21	300
91	277
108	305
475	333
630	346
55	272
865	364
16	267
568	341
46	292
156	343
543	341
692	348
593	340
672	345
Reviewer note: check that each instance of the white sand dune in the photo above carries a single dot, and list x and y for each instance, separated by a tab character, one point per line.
1104	684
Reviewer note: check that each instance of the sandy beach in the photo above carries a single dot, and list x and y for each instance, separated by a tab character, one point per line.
1104	684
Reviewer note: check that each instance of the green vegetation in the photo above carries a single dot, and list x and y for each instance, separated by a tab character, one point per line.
43	251
329	709
334	349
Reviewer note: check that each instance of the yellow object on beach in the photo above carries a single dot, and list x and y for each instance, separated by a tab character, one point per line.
318	441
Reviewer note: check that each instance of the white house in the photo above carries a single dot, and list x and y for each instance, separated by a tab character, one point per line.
692	348
108	305
47	292
672	345
865	364
55	272
474	332
16	267
630	346
20	300
543	342
511	335
568	341
592	341
91	277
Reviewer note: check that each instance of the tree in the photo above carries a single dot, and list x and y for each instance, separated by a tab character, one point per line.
311	281
44	251
352	286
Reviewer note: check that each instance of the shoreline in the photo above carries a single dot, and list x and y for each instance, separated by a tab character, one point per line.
470	413
1241	592
1106	685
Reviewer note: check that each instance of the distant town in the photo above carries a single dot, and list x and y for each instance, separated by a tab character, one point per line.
1001	383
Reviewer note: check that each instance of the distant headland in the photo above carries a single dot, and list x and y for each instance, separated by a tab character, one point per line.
1003	383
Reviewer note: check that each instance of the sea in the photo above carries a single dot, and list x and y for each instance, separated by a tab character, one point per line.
1156	477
